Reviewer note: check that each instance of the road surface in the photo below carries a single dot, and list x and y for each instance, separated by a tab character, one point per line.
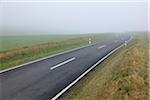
44	79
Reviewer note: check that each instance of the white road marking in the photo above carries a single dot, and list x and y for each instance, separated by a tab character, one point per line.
65	62
102	46
129	39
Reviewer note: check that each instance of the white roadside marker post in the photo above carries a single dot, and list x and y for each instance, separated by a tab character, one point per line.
90	41
125	43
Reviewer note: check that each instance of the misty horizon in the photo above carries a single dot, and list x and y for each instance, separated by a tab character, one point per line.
25	18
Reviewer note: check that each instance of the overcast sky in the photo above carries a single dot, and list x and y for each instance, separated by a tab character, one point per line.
72	17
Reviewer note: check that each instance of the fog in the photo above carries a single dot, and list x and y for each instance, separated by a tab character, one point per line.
72	17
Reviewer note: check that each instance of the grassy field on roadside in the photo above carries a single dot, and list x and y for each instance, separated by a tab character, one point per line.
25	54
123	76
19	41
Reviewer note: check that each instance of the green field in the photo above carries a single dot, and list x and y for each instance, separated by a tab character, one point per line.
18	49
13	42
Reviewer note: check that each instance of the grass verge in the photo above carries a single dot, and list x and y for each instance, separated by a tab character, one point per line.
20	41
123	76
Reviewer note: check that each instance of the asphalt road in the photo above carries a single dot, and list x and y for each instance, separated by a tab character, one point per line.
44	79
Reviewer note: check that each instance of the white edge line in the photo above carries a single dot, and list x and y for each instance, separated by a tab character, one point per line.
102	46
40	59
87	71
62	63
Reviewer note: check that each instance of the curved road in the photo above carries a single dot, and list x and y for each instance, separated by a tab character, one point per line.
44	79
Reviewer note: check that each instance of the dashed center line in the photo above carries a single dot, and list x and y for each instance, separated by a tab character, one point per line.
102	46
65	62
